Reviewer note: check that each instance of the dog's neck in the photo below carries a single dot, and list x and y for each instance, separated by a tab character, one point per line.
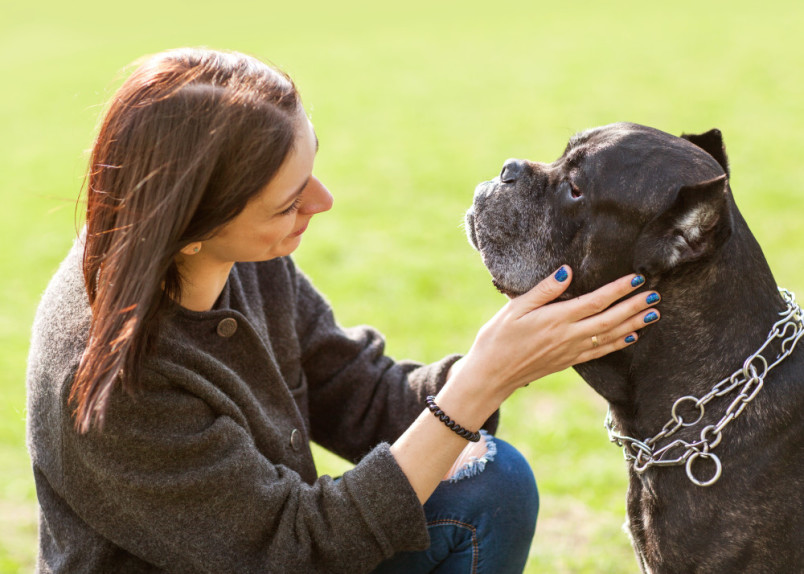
714	315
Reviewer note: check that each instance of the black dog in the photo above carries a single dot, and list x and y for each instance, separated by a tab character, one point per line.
709	492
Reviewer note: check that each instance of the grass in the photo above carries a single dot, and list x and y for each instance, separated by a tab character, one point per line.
414	104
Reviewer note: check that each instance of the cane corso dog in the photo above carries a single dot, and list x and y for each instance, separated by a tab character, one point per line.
708	404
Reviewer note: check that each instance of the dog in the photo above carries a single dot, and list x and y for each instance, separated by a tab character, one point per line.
711	489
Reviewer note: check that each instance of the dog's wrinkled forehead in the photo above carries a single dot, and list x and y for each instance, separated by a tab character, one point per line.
635	165
598	138
633	145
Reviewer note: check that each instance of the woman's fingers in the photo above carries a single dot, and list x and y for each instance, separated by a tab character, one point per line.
606	346
600	339
630	315
548	289
601	299
627	331
530	338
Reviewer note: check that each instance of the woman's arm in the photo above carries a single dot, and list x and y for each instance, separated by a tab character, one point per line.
177	482
526	340
358	396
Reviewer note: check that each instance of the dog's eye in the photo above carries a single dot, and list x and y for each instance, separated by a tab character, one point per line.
566	188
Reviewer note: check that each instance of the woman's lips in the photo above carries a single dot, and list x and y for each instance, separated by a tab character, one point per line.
300	231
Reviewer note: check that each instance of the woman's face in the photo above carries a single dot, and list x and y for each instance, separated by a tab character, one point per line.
272	223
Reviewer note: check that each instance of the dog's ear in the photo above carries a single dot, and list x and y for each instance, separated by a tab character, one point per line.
712	143
692	228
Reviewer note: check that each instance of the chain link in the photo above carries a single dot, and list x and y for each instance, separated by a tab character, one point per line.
749	379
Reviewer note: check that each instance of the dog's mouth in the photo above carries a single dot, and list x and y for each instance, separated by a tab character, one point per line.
479	240
505	291
471	234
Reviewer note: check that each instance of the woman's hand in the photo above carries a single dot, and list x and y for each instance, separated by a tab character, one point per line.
530	337
527	339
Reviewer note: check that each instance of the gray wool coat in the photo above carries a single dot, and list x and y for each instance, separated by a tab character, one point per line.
208	467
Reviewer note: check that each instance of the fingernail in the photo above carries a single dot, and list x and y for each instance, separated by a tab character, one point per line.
630	339
561	275
637	281
651	317
652	298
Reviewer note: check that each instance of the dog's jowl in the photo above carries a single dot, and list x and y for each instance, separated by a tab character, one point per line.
708	404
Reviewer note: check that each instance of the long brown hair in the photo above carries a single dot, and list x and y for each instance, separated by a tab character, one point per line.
188	139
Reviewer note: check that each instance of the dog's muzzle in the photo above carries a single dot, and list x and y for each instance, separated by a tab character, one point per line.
482	192
469	222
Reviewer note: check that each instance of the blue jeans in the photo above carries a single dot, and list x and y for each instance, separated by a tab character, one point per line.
482	523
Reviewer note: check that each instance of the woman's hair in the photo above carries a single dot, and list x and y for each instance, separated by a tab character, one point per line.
188	139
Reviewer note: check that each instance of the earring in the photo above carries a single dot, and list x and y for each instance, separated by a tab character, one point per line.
191	248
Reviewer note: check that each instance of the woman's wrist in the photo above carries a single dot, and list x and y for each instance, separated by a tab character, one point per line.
428	448
472	436
467	399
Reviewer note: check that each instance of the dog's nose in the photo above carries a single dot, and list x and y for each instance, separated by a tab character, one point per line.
512	170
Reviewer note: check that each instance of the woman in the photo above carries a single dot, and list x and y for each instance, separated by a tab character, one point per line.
180	364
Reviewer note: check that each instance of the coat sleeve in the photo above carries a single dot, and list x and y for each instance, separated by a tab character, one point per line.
185	488
358	396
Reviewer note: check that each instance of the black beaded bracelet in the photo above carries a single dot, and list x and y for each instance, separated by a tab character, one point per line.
465	433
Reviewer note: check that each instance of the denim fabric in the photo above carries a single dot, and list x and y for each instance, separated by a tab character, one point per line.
482	524
476	465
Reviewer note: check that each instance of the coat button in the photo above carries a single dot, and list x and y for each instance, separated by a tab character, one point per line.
296	440
227	327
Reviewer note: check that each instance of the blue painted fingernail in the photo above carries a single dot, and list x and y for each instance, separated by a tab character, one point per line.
651	317
561	275
637	281
630	339
652	298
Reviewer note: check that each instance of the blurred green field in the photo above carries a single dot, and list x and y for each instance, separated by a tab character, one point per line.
413	103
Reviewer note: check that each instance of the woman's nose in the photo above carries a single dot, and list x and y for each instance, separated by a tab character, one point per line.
316	198
512	170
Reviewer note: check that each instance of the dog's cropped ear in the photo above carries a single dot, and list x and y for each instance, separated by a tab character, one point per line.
712	143
692	228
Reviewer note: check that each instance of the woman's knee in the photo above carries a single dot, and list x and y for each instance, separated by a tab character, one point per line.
497	500
500	481
515	483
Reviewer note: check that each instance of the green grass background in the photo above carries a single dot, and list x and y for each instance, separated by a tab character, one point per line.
414	103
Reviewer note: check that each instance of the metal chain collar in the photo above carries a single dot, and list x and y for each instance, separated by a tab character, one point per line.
749	380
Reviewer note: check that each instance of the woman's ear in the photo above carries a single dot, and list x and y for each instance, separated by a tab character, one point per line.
191	248
695	226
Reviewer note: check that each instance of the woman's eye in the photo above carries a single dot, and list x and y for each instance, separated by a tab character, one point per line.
293	206
565	188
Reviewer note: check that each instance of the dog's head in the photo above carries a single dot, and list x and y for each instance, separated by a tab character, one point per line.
621	198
